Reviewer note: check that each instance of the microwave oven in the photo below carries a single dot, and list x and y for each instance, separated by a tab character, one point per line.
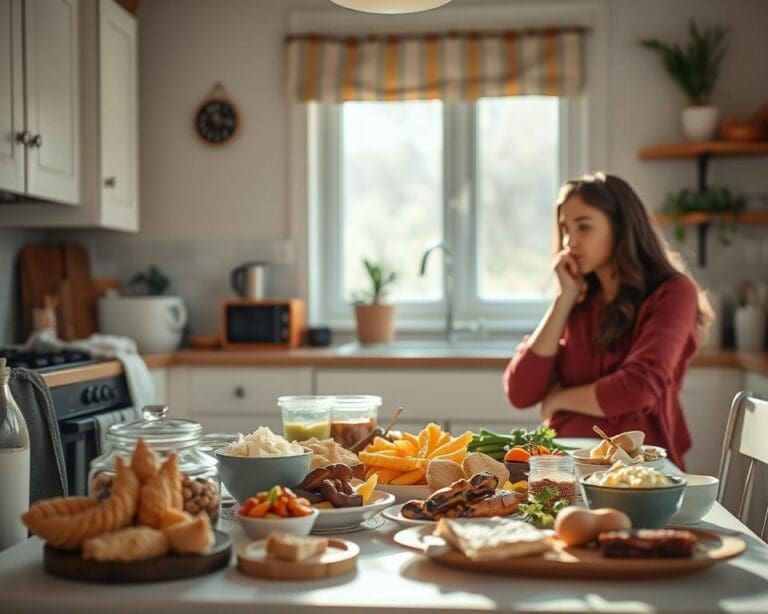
263	324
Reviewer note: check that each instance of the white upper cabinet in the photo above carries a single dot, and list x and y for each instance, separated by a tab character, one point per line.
40	99
52	97
118	117
11	96
86	115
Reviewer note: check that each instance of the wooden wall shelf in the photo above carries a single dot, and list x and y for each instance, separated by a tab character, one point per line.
704	148
748	217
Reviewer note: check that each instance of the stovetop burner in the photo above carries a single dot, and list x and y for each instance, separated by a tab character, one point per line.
45	361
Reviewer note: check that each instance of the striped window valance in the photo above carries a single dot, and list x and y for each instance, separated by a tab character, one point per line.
453	66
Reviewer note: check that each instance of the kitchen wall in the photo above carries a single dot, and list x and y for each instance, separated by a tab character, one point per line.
206	209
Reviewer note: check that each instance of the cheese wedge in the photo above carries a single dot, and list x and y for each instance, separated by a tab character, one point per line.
287	547
493	538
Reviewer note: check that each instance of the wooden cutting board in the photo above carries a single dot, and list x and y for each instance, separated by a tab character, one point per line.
69	564
61	270
338	559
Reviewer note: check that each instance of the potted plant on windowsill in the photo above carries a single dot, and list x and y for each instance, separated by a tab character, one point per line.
375	319
695	69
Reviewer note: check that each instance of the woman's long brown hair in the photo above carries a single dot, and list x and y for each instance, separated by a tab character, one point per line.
641	255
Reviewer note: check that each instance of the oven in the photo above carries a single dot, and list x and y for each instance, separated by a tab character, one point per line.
77	406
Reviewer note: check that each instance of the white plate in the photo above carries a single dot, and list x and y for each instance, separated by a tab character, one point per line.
393	513
340	519
406	493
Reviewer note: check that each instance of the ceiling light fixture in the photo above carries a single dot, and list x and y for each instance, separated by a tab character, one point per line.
390	7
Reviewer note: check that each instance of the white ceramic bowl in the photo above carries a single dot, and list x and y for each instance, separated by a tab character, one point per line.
584	465
698	498
259	528
340	519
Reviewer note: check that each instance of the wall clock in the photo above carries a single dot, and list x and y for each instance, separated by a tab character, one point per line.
217	119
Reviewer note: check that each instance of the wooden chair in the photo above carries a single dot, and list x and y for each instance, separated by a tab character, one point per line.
748	415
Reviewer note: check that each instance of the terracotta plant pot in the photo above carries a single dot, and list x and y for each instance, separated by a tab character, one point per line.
375	323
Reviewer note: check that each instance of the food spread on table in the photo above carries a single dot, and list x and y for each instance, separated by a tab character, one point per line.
476	509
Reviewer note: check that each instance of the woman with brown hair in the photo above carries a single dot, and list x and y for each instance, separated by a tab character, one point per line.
615	344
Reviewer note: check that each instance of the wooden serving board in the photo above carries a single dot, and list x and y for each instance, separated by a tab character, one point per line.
70	565
338	559
567	562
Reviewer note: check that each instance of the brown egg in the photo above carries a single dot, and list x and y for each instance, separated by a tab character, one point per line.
576	525
609	519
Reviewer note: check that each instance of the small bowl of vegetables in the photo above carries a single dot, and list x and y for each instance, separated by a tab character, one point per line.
276	510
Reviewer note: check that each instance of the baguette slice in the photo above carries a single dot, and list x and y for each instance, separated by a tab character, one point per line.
296	548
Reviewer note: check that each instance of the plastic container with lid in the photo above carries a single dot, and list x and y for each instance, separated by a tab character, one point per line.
353	417
201	483
553	471
306	416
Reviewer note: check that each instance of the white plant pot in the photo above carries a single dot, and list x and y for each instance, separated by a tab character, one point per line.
155	323
700	122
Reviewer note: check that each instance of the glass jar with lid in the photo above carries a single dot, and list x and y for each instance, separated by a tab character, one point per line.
306	416
353	416
553	471
201	482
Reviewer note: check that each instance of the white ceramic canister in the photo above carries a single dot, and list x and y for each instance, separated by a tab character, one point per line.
155	323
750	322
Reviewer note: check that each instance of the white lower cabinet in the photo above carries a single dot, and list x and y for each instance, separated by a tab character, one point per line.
159	377
239	399
706	398
459	399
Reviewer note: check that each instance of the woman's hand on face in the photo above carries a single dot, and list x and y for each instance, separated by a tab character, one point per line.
568	276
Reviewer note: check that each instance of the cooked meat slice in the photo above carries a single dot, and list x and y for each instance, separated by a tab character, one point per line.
462	491
414	509
500	503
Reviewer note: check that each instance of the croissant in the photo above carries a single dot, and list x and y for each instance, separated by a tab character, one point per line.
192	536
161	492
131	544
60	506
171	516
68	525
144	461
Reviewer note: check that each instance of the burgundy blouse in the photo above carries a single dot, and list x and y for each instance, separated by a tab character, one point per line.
637	385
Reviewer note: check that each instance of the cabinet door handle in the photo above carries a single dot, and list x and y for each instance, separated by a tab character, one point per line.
24	137
36	141
240	392
110	182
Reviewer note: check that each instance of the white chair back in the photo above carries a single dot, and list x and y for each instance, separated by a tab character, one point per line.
752	414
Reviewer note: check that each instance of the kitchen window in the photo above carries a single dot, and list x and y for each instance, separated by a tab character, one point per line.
394	178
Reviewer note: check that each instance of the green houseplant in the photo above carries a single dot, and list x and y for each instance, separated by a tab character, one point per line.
375	319
715	201
696	69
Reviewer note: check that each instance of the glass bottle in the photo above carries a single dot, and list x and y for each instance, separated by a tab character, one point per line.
14	465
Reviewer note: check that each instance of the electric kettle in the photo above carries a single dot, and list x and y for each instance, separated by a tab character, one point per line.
249	280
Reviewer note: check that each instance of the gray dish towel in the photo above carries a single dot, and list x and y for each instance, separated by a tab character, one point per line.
48	474
107	419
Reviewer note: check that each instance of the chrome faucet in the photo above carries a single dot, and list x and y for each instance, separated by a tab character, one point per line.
448	284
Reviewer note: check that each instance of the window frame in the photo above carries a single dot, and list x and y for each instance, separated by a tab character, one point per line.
459	213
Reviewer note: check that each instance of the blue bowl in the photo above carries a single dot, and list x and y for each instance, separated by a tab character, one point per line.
647	508
246	476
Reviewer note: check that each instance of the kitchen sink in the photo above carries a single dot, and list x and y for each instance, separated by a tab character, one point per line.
432	347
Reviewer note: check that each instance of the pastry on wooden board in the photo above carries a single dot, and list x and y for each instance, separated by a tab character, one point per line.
69	530
126	545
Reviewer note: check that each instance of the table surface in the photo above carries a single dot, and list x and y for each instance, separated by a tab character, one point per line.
391	578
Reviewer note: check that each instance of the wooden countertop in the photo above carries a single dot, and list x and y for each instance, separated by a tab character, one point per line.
756	362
